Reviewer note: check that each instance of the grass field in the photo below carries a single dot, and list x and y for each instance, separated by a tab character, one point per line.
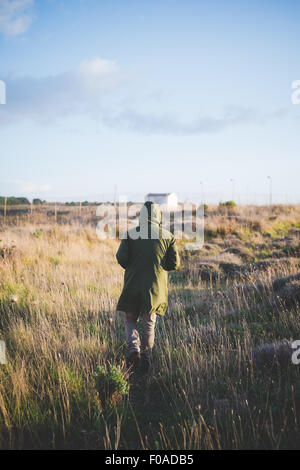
223	376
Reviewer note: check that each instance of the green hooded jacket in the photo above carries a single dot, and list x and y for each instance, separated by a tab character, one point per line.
147	253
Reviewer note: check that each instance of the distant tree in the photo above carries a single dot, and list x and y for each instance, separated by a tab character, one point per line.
37	201
22	200
14	201
229	204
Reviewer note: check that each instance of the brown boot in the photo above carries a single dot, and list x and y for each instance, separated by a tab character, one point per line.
134	360
146	364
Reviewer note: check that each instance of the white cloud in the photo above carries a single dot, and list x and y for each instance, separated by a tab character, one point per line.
76	91
148	123
96	75
16	16
96	68
90	89
35	188
30	188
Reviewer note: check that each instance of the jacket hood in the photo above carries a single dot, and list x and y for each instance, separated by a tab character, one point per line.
150	213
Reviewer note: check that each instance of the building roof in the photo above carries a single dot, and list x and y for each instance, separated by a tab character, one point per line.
159	194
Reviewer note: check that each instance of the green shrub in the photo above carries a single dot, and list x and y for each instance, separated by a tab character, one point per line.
229	204
53	260
38	233
113	378
111	385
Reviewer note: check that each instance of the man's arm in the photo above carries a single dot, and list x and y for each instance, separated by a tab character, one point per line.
123	253
172	260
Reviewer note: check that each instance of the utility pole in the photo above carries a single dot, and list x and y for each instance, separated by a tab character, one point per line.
5	206
270	189
202	193
115	195
232	189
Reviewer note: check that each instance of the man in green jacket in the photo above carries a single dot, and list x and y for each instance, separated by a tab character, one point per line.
146	253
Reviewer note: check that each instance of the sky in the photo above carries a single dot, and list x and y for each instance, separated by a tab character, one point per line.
138	96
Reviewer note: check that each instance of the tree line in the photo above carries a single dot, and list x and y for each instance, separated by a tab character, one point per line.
15	201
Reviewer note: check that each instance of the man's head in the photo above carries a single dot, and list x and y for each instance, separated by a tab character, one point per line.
150	212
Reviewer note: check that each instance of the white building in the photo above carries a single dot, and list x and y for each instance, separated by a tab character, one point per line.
168	200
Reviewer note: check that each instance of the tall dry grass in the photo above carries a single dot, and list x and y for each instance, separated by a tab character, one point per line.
216	382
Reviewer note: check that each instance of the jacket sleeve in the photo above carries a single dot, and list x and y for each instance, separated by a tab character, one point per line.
123	253
172	260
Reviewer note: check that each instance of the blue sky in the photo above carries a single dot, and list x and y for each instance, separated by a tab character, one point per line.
151	96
